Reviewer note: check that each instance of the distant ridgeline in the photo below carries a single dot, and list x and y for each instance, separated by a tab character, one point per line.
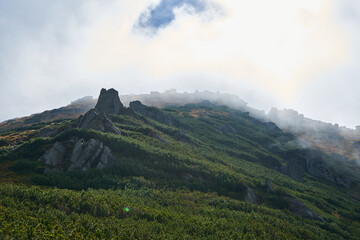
203	166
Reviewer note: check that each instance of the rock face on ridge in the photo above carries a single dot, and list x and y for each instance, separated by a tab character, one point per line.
84	156
99	122
151	112
55	155
109	102
317	167
297	207
92	154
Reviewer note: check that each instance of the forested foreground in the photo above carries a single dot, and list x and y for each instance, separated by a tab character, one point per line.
38	213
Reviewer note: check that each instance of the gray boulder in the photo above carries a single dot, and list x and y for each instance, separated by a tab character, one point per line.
105	158
109	102
96	121
297	207
92	154
251	196
55	155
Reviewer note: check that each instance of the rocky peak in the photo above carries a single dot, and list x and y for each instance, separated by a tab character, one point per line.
109	102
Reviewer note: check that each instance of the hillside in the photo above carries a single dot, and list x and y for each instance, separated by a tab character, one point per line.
195	170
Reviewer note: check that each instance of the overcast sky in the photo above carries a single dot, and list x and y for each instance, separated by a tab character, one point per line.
300	54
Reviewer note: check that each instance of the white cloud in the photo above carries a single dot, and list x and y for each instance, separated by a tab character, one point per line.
270	43
275	48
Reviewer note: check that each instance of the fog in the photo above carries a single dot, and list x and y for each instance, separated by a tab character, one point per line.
302	55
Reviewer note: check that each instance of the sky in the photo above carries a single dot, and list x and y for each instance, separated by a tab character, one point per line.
299	54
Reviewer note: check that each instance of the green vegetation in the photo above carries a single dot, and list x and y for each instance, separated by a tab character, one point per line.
181	181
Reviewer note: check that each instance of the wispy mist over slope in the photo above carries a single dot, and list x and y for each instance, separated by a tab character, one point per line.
328	137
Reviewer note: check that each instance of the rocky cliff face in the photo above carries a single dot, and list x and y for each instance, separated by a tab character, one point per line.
84	156
54	156
92	154
77	154
108	103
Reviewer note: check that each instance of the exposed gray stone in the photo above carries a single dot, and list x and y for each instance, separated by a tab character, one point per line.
109	102
92	154
297	207
105	158
55	155
99	122
251	196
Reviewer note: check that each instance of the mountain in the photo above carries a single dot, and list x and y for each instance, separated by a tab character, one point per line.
193	169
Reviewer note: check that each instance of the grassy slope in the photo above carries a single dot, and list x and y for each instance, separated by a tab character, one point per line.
148	178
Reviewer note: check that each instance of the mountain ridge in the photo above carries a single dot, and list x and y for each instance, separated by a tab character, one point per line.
145	167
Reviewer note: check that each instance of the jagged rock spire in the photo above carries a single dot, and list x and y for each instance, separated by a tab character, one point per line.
109	102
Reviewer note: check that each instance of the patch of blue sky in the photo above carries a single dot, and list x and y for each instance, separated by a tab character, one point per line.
161	15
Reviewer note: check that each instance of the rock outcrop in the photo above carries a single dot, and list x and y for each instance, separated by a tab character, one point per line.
302	161
109	102
251	196
92	154
85	155
317	167
151	112
100	122
297	207
54	156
